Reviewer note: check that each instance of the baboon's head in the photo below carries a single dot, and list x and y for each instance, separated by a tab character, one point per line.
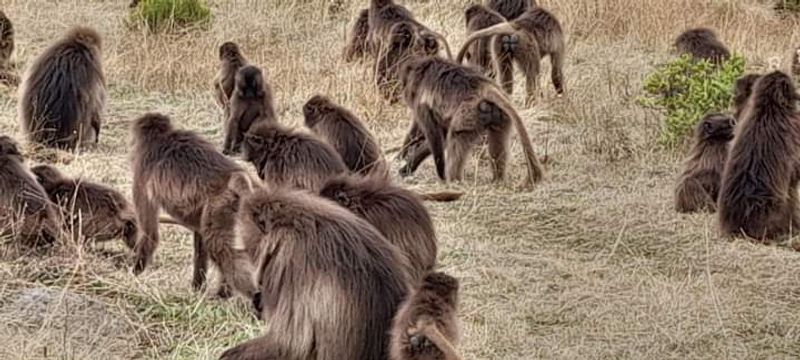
150	125
315	108
345	191
776	89
228	51
443	285
47	175
8	148
87	36
259	140
716	127
250	82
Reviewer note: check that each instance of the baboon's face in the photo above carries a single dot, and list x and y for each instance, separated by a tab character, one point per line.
253	147
343	193
717	127
228	51
428	43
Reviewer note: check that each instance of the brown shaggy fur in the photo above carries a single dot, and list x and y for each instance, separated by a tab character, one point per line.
796	63
6	40
251	103
330	282
479	53
536	27
453	106
511	9
63	94
92	212
698	187
404	42
742	89
385	14
181	173
230	61
396	212
358	46
758	197
289	157
25	210
346	133
426	327
702	44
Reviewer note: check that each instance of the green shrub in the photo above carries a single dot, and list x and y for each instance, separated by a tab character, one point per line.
792	6
168	15
685	90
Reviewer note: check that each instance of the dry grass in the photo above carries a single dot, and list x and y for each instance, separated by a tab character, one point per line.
591	264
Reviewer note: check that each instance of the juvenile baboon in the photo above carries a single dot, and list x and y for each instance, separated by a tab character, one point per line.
230	61
25	210
6	40
289	157
511	9
91	211
537	24
702	44
330	282
358	46
426	326
796	63
346	133
455	105
742	89
181	173
758	197
496	56
250	103
698	187
63	93
397	213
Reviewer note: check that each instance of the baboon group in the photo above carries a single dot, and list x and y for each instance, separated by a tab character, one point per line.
337	258
744	165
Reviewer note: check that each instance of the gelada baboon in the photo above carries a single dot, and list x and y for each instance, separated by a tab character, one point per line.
357	45
181	173
290	157
397	213
6	40
340	301
404	43
25	210
497	55
758	197
742	89
453	106
511	9
796	63
385	14
346	133
698	187
63	93
538	24
251	103
426	326
702	44
230	61
91	211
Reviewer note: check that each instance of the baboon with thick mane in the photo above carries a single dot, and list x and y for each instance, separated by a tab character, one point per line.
182	173
537	24
290	157
452	106
330	282
250	103
25	210
698	187
702	44
404	42
426	326
758	197
346	133
63	93
230	61
397	213
742	89
511	9
92	212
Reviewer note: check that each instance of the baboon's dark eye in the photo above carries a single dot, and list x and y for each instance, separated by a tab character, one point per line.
342	198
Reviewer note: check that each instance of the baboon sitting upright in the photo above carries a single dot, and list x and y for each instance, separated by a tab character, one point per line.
702	44
698	187
758	197
230	61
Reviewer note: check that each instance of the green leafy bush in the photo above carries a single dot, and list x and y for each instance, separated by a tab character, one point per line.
167	15
685	90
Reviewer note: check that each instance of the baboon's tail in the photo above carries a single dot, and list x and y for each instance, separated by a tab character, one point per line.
499	29
441	196
535	170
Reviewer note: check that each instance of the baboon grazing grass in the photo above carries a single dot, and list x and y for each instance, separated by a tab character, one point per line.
346	133
698	187
453	106
340	303
230	61
357	45
25	210
63	92
92	212
538	24
742	89
250	103
758	197
404	42
397	213
702	44
426	325
497	55
290	157
511	9
181	173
